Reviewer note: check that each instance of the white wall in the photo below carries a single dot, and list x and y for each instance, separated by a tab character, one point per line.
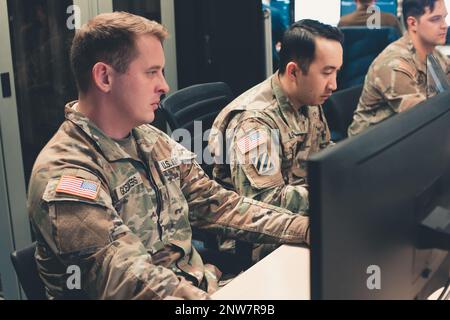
328	11
447	4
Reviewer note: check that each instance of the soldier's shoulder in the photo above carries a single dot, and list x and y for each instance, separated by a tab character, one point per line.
388	19
68	183
164	143
68	150
395	51
391	61
149	129
66	145
251	119
255	98
154	133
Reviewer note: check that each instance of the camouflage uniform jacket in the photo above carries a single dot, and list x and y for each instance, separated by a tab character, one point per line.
395	82
273	168
128	226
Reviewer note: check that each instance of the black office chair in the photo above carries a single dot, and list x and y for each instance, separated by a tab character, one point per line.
361	47
26	269
339	109
200	102
203	102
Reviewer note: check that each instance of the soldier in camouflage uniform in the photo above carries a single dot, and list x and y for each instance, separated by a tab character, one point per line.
262	139
397	79
117	197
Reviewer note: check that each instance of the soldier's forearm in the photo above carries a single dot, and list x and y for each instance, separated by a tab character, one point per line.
215	208
258	222
291	197
125	271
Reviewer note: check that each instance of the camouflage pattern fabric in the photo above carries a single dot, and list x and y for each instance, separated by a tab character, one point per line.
128	225
396	81
260	143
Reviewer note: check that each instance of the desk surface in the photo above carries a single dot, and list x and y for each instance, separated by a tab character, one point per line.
283	274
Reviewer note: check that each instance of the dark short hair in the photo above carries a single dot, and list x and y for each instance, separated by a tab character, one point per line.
416	8
109	38
299	45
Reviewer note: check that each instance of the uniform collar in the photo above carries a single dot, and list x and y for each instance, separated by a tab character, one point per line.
420	65
282	99
287	110
110	148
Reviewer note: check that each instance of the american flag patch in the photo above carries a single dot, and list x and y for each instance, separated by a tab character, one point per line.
251	141
78	187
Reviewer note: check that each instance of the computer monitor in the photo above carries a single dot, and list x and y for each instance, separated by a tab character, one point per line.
388	6
307	9
367	197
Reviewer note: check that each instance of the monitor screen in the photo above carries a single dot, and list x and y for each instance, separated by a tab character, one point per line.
367	197
389	6
307	9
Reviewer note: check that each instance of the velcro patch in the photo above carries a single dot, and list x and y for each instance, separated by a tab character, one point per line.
167	164
78	187
251	141
127	186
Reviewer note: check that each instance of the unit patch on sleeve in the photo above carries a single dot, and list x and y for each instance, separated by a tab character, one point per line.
263	164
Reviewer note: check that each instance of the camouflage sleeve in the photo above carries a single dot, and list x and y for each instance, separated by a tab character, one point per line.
256	168
113	262
397	82
214	208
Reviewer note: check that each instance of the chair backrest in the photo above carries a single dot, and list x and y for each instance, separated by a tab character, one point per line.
26	269
361	47
200	102
339	109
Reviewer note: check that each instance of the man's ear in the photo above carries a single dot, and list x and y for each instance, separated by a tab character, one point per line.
291	70
411	23
101	76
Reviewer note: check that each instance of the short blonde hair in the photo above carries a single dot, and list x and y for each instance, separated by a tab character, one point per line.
109	38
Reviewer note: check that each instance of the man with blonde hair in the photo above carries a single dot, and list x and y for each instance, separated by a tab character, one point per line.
116	197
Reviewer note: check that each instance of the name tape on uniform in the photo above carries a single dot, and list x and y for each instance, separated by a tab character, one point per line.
133	181
167	164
